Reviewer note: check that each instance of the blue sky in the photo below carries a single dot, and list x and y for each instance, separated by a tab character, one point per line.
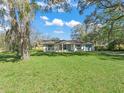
58	24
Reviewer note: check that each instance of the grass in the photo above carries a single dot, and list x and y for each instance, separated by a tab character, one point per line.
92	73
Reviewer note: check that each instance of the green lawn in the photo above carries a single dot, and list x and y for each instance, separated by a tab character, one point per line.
62	74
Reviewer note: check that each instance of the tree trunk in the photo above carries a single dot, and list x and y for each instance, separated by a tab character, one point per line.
110	32
25	54
25	44
24	49
119	46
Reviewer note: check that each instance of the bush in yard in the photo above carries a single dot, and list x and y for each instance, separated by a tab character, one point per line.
100	48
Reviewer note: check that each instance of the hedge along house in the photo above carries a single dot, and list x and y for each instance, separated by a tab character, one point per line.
65	46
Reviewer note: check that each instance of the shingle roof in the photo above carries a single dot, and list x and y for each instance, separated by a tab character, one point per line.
62	41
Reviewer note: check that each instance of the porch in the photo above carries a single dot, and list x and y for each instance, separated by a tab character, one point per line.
62	48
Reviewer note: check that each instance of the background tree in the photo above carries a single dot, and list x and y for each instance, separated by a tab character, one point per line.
35	37
2	40
109	14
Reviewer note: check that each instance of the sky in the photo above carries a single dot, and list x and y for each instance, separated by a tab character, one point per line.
58	24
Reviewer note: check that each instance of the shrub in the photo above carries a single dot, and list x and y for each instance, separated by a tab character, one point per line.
112	45
100	48
40	53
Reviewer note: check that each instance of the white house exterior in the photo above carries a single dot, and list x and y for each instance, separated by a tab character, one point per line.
88	47
66	46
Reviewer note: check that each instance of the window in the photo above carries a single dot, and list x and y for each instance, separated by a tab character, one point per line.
50	47
78	46
64	47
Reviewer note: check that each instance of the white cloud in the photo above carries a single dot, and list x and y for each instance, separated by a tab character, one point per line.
72	23
42	4
1	29
59	22
91	24
7	28
59	31
5	8
99	25
61	10
1	6
56	21
44	18
7	17
68	1
4	28
47	23
74	5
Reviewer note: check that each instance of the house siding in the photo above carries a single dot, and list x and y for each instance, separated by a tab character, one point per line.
66	46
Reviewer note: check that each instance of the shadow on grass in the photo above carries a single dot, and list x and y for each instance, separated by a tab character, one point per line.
11	57
100	55
105	56
8	57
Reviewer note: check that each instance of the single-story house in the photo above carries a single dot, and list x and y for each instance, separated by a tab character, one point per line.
65	46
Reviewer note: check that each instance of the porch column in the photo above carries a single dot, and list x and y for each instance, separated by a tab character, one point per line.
46	48
54	48
62	47
74	47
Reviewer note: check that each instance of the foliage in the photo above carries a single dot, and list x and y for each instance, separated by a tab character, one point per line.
112	45
41	53
101	48
105	24
116	44
35	36
2	41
